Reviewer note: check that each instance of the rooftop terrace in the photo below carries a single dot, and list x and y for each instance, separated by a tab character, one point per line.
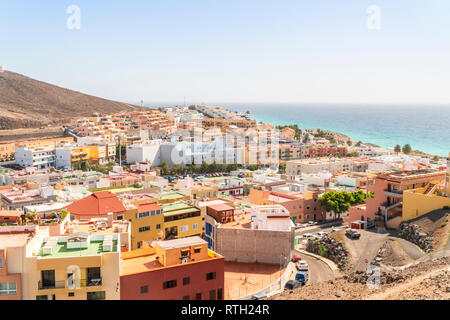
61	250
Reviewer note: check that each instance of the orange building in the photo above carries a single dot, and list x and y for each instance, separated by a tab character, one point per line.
180	269
302	206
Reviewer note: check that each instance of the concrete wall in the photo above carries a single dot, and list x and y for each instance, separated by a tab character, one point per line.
254	246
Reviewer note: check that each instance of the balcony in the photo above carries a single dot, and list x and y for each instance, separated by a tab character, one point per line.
51	285
394	193
93	282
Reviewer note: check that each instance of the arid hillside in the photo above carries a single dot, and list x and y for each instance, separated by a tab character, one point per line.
27	103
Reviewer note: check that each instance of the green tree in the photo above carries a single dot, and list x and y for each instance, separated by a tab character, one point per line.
349	143
164	168
406	148
306	138
397	148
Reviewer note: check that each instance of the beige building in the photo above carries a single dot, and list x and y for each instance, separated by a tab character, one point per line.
297	167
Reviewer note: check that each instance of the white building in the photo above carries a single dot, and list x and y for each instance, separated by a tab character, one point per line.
41	157
271	217
149	151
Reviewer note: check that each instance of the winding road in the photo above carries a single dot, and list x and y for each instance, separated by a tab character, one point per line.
318	270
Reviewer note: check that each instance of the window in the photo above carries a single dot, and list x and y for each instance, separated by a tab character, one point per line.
186	281
8	288
144	229
197	250
169	284
210	276
198	296
194	226
158	226
71	294
212	295
184	228
144	289
186	298
139	244
220	294
1	263
96	295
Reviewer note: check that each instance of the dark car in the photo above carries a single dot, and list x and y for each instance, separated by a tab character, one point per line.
352	233
292	284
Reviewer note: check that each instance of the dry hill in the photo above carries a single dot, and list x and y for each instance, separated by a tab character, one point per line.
27	103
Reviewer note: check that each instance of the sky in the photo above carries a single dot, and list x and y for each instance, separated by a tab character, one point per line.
318	51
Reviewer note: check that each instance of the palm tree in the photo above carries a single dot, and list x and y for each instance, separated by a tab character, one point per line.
397	149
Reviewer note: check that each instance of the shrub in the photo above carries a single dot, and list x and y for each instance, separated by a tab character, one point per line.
446	207
400	235
323	250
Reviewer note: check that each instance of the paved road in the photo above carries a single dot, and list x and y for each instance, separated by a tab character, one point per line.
410	248
318	270
364	248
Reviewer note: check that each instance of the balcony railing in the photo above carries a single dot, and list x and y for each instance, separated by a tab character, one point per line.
91	282
51	285
394	193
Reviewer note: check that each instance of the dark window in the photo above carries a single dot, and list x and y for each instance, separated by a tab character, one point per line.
158	226
71	294
144	289
210	276
96	295
170	284
212	295
197	250
198	296
186	281
48	278
144	229
186	298
220	294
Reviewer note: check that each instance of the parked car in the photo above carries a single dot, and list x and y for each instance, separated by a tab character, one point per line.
322	233
292	284
308	236
312	223
352	233
259	296
302	266
296	258
302	277
336	229
298	225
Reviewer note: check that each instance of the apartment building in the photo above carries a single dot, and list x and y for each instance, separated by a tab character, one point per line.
296	167
303	206
226	185
7	150
19	198
389	188
182	220
180	269
74	267
222	213
326	151
39	157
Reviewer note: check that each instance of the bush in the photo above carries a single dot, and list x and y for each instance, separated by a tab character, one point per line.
400	235
446	207
323	250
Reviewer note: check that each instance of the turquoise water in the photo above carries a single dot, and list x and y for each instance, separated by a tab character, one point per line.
424	127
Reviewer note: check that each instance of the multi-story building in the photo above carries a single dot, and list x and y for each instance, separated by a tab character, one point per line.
180	269
74	267
303	206
327	151
7	150
40	157
296	167
388	189
182	220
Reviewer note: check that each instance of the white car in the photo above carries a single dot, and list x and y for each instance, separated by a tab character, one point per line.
298	225
302	266
312	223
308	236
336	229
322	233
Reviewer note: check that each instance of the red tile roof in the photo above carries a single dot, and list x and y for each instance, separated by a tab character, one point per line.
97	204
148	207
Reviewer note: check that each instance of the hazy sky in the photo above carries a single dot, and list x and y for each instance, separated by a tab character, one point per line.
234	50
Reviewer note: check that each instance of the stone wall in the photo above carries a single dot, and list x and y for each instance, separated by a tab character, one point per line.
416	235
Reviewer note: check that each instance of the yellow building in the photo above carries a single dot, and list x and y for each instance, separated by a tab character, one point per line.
147	221
75	267
182	220
417	202
7	150
201	192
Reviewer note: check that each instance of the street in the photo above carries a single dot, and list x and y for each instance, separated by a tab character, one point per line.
318	270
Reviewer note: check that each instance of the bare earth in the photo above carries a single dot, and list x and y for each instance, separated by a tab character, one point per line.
428	280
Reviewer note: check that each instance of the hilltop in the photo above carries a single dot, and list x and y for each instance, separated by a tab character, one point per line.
28	103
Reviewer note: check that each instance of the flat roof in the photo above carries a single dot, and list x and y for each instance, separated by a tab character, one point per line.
183	242
13	240
61	251
171	196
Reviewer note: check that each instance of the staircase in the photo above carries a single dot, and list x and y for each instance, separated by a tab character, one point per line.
431	187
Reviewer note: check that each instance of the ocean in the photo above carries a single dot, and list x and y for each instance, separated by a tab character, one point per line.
424	127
